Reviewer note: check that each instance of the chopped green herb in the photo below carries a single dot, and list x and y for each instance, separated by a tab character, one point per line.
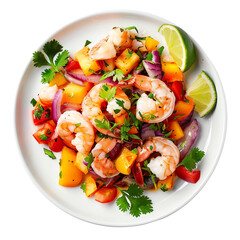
43	137
135	151
105	63
117	75
83	186
49	153
130	28
140	38
129	53
151	147
39	111
51	48
192	159
153	176
33	102
87	43
176	117
164	188
149	116
116	111
91	70
105	124
78	124
60	174
182	145
89	159
133	200
108	92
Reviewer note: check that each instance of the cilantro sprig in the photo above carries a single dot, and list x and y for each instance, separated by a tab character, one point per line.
89	159
108	92
51	49
117	75
152	175
134	201
192	159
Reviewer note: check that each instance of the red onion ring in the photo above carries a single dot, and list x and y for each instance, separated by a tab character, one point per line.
56	105
79	75
73	80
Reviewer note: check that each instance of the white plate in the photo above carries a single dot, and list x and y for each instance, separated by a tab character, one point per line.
45	172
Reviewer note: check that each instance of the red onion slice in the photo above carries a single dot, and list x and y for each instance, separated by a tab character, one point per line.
79	75
189	139
146	132
56	105
155	57
67	106
73	80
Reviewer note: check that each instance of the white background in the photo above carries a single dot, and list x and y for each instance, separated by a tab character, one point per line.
26	213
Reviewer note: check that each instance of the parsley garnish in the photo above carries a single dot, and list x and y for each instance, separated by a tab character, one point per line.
51	48
39	111
130	28
125	136
149	116
83	186
146	168
135	151
78	124
89	159
43	137
33	102
129	53
107	92
117	75
49	153
87	43
105	124
176	117
133	200
192	159
164	188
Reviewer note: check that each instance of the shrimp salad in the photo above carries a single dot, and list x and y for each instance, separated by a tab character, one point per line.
118	113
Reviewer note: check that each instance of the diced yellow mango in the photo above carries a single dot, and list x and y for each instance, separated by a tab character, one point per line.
107	65
70	175
166	184
127	61
125	161
74	93
58	80
79	162
85	62
151	44
91	186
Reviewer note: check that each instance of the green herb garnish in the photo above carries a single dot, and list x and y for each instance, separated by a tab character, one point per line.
33	102
107	92
49	153
89	159
146	168
133	200
192	159
87	43
51	48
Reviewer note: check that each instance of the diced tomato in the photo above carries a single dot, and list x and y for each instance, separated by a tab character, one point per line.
55	144
43	134
177	88
106	194
137	173
41	114
186	175
72	64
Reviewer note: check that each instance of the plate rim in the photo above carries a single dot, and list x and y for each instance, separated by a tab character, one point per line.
217	158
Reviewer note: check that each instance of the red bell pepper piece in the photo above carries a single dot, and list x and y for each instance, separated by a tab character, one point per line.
40	114
177	88
137	173
188	176
43	134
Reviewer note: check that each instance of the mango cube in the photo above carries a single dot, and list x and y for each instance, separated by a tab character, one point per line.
79	162
58	80
91	186
151	44
127	61
85	62
166	184
125	161
74	93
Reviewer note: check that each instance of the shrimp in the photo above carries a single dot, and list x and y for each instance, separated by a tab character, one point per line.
103	50
76	131
164	165
47	94
117	41
92	103
102	165
157	108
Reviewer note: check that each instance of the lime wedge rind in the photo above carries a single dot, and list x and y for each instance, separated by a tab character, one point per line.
180	45
204	94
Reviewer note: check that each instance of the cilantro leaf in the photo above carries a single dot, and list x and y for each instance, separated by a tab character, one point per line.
106	75
192	159
62	59
146	168
83	186
33	102
87	43
51	48
133	200
132	27
129	53
108	92
39	59
49	153
89	159
43	137
117	75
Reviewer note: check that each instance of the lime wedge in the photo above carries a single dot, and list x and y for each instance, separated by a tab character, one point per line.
180	46
203	93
